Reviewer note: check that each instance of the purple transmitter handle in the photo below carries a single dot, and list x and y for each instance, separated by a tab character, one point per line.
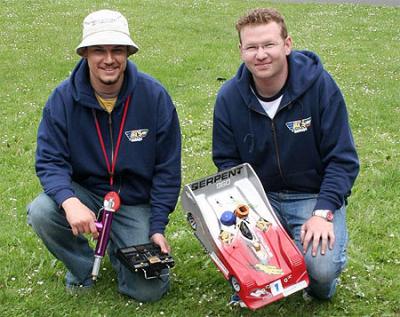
111	204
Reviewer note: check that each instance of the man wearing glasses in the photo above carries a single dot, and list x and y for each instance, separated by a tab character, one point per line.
284	114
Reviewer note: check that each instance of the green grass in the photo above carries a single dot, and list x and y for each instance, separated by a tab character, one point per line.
187	45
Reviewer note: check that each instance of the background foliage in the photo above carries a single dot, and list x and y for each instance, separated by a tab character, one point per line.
191	46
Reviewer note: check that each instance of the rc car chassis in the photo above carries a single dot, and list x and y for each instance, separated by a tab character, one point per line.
234	221
146	258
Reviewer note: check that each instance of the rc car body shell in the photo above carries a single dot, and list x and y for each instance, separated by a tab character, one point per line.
234	221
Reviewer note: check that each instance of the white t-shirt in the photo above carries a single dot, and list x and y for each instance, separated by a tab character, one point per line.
271	107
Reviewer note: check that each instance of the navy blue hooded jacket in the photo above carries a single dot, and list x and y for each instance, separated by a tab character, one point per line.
148	165
307	147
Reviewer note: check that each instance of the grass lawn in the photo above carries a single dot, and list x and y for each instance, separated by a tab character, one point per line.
190	46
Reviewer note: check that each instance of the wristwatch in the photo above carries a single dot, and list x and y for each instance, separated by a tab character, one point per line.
324	213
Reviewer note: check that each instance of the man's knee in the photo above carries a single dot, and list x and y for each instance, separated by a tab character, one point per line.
40	211
146	290
321	274
323	269
148	295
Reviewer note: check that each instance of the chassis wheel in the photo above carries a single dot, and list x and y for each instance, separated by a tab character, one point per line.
235	284
191	221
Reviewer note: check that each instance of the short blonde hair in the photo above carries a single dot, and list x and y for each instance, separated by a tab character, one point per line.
262	16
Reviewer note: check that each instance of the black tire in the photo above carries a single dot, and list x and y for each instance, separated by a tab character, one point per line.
191	221
235	284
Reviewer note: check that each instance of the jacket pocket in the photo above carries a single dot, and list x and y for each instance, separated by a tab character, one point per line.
309	180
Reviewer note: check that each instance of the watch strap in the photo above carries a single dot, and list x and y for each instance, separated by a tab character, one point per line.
323	213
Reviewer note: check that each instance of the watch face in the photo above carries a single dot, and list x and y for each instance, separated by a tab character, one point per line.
329	216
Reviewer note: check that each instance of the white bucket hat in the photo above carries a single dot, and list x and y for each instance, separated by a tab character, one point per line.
106	27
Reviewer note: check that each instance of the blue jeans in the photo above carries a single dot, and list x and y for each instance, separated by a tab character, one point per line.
293	209
130	226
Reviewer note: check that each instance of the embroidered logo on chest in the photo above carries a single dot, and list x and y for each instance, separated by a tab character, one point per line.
136	135
299	125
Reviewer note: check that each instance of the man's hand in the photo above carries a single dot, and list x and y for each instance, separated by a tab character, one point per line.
160	240
80	218
316	229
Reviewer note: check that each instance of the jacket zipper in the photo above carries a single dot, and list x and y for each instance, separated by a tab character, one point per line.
275	140
277	151
110	128
111	136
276	144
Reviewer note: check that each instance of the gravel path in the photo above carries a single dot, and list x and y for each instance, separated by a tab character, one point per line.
394	3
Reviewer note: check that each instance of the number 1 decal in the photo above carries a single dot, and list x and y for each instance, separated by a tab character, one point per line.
276	287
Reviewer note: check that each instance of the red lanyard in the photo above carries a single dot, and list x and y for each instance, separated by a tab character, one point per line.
114	154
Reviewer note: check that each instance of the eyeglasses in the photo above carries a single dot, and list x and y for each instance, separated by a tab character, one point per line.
253	49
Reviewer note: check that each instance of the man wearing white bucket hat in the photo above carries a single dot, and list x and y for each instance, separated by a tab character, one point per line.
108	127
106	27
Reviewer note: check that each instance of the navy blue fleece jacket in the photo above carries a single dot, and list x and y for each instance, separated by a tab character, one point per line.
148	168
307	147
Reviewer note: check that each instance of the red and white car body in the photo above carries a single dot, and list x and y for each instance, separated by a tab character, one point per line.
234	221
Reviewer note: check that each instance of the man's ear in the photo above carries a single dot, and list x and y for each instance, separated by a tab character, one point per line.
288	45
240	50
85	52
